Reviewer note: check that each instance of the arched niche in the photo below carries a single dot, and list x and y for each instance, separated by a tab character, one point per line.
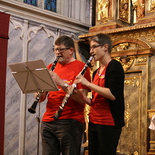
128	47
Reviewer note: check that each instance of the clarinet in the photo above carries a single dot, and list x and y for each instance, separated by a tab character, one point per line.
67	96
54	63
32	109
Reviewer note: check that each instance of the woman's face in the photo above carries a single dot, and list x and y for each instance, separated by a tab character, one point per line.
97	50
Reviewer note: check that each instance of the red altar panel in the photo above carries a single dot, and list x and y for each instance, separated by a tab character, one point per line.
4	27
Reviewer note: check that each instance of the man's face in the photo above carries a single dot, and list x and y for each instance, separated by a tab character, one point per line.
65	53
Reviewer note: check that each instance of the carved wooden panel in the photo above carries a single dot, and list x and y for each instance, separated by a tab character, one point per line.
130	138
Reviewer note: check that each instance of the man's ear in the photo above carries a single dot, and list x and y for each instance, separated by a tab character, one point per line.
72	50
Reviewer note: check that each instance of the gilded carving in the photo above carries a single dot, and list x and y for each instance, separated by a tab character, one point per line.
141	60
126	62
137	35
143	34
87	107
151	5
86	116
103	10
139	8
132	29
124	10
127	115
122	46
148	36
132	81
136	153
135	10
126	46
131	35
150	39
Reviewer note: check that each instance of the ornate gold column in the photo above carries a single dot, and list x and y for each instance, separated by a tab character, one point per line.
152	141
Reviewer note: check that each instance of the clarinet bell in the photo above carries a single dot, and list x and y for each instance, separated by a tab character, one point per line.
32	109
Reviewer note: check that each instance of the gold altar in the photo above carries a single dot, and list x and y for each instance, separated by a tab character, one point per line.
131	25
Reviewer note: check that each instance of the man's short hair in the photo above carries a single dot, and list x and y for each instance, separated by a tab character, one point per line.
65	40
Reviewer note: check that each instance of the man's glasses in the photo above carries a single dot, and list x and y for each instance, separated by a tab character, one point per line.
94	46
60	49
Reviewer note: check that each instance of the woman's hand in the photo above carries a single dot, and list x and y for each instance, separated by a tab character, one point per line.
81	79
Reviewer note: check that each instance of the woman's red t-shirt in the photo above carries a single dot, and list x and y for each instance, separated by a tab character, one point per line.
100	110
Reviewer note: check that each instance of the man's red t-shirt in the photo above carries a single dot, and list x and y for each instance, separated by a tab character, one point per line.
72	109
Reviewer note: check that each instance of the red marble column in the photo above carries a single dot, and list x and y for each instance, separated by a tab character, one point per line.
4	26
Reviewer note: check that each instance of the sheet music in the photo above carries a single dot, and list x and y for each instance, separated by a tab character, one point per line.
33	76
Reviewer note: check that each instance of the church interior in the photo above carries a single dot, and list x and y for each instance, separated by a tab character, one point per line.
28	29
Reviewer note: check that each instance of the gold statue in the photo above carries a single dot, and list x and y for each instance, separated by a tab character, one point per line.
139	9
103	10
152	4
86	115
87	107
124	11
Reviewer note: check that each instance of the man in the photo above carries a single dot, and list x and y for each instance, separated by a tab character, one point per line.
64	135
106	117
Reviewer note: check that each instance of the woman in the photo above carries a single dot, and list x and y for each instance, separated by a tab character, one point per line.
106	117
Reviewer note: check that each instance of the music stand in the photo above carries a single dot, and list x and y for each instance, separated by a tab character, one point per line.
33	76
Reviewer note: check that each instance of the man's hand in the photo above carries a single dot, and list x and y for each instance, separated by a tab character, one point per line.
56	78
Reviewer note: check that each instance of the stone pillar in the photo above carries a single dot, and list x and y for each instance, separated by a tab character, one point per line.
58	5
73	9
77	9
83	10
